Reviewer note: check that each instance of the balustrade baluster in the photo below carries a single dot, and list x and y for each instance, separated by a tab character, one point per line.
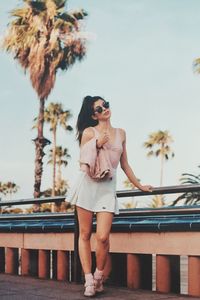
25	262
194	275
11	259
62	265
44	264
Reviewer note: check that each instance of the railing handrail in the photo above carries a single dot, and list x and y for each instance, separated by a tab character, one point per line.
33	201
173	189
122	193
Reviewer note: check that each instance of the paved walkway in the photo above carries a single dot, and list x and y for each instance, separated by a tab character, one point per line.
26	288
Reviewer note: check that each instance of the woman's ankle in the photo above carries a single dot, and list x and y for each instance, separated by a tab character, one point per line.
89	277
98	273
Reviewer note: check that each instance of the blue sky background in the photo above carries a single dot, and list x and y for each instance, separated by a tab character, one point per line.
139	58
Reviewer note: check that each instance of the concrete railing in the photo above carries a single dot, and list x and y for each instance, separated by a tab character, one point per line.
144	243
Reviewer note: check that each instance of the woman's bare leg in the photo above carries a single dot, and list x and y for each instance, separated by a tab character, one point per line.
85	230
104	223
108	267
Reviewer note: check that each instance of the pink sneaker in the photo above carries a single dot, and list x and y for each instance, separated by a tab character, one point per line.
89	289
98	283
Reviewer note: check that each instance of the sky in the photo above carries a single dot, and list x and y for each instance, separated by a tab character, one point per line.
140	56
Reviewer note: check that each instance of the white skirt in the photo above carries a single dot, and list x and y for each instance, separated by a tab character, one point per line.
95	196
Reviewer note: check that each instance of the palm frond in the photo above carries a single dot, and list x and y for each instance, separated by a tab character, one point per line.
189	198
159	140
37	5
67	17
196	65
150	153
69	128
79	15
189	175
157	153
60	4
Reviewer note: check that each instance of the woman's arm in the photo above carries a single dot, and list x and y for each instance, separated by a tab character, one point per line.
128	170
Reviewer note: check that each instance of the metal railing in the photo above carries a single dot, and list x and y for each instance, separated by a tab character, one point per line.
122	193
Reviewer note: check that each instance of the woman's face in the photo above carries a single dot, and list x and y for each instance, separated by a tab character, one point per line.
101	110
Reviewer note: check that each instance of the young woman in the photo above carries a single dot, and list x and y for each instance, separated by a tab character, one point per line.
94	192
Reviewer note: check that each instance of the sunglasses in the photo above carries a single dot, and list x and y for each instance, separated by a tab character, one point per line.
99	109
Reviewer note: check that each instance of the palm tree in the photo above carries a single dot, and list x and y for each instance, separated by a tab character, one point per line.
11	188
132	203
157	201
44	38
160	140
8	188
189	198
129	204
196	65
128	184
55	116
61	185
15	210
60	190
2	191
2	188
61	159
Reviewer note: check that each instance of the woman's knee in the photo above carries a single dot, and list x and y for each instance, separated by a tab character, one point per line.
102	238
85	235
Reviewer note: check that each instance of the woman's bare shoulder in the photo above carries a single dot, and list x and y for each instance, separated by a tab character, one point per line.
88	134
122	132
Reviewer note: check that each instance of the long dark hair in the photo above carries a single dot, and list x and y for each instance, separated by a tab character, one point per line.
85	115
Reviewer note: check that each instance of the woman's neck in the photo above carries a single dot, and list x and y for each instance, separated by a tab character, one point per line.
104	125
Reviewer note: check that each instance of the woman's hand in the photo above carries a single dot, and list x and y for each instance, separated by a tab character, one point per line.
103	138
146	188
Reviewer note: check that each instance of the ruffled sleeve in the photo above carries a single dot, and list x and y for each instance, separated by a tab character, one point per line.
97	160
88	154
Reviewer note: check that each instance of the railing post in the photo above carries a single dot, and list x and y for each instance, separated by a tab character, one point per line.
25	262
2	260
139	271
133	271
62	265
44	264
12	262
194	275
163	280
167	273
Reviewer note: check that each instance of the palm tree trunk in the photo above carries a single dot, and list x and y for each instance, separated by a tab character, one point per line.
54	163
59	177
161	170
40	143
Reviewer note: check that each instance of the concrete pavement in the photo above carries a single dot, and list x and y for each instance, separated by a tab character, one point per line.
28	288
